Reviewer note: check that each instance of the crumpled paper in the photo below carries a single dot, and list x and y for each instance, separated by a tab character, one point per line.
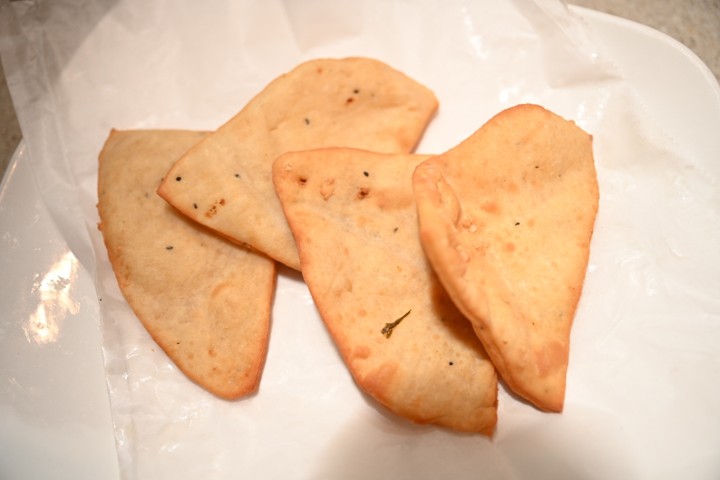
643	388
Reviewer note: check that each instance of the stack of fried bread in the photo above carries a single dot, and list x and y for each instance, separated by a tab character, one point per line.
432	273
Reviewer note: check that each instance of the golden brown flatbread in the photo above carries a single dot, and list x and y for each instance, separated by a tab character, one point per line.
204	300
506	219
225	181
353	215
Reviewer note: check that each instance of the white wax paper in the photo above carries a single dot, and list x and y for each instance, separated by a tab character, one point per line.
643	387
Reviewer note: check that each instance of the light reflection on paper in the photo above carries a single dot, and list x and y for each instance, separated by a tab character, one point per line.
476	40
506	94
55	301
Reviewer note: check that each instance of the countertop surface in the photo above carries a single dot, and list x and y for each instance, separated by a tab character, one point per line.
695	23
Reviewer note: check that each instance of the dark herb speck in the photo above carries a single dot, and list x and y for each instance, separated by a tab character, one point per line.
388	328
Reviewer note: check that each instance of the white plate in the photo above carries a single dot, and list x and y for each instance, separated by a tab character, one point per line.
54	411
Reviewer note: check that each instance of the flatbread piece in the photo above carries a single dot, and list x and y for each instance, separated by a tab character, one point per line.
506	219
353	215
204	300
225	181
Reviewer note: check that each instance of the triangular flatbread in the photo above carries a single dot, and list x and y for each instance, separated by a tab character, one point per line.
353	215
204	300
506	219
225	181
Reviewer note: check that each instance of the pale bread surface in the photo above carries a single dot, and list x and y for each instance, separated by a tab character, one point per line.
204	300
225	181
506	219
353	215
